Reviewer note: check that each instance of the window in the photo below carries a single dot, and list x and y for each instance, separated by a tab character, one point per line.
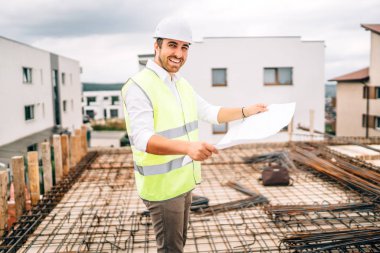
371	121
90	113
54	77
32	147
114	113
63	75
365	91
377	91
377	123
364	120
105	98
72	105
219	77
29	112
278	76
90	100
371	92
219	128
64	105
115	100
26	75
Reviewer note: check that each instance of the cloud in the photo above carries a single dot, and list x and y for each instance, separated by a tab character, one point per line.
54	18
104	58
107	35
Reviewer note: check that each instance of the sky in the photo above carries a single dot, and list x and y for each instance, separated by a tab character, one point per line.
106	36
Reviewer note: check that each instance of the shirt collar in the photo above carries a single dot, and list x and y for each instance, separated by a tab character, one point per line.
161	72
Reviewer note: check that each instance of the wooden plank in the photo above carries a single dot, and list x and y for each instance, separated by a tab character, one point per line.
84	140
290	129
78	133
34	177
78	148
3	201
19	184
73	150
65	154
46	163
312	122
57	158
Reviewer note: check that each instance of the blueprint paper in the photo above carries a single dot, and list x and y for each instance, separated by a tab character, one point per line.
259	126
255	127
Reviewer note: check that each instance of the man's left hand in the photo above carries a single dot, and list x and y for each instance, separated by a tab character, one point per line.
254	109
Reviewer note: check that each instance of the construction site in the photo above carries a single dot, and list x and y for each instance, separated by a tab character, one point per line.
330	205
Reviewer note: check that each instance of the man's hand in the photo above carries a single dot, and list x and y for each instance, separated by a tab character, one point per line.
200	151
254	109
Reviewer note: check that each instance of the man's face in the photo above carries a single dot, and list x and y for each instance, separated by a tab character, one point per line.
171	55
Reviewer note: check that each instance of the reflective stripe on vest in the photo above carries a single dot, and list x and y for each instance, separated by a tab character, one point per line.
179	131
161	168
175	132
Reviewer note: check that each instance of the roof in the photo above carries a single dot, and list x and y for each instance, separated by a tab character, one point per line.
259	37
36	48
359	75
101	86
372	27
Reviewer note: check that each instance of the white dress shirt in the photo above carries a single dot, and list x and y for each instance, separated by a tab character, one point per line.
140	110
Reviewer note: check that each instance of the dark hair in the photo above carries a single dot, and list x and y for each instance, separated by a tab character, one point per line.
159	42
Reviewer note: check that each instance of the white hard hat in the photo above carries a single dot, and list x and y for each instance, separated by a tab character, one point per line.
174	28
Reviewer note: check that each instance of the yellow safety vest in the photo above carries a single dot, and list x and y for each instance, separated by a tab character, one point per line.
161	177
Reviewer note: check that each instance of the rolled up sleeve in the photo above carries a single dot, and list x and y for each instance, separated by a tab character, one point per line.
206	111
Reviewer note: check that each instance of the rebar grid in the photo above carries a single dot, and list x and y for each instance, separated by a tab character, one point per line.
102	212
29	221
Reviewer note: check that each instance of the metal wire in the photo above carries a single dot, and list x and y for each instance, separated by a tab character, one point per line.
102	212
28	222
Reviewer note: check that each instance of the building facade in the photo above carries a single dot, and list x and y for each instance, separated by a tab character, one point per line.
102	101
40	94
358	95
240	71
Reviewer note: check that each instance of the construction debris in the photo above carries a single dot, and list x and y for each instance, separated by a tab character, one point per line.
280	211
347	175
98	209
234	205
198	202
338	240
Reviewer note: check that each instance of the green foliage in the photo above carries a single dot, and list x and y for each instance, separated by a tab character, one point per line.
329	129
109	125
124	141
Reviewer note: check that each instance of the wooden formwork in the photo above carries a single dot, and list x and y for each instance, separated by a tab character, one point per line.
18	213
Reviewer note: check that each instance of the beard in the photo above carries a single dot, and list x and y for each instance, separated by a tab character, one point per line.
170	66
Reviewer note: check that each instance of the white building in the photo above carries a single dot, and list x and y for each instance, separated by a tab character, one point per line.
40	94
239	71
102	101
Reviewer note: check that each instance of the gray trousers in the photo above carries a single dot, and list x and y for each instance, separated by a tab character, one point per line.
170	219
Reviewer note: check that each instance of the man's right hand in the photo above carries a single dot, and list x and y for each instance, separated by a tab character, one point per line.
200	151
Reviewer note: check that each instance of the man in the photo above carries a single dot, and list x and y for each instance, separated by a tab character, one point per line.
161	113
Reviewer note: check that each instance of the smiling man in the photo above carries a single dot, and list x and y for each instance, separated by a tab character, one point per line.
161	113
